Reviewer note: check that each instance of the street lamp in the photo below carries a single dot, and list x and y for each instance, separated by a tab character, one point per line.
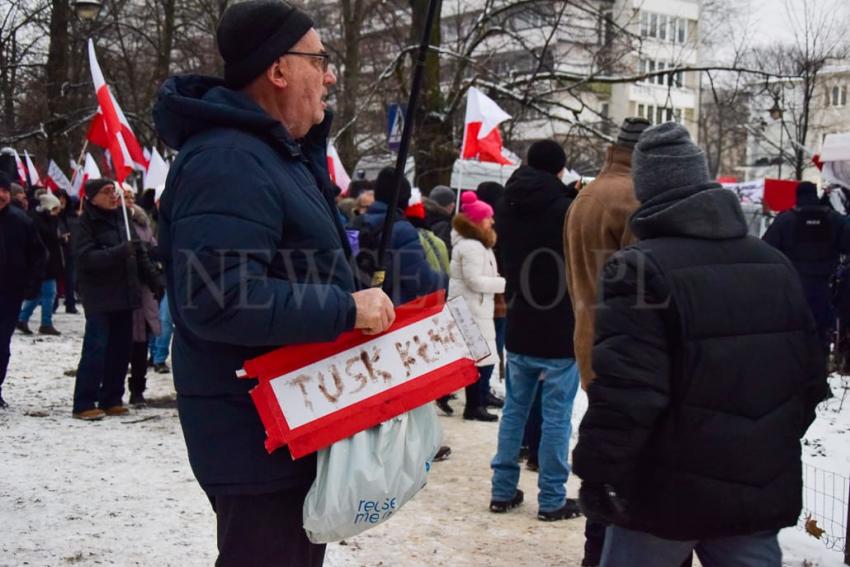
87	10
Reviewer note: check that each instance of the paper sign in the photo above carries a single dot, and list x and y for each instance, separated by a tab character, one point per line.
310	396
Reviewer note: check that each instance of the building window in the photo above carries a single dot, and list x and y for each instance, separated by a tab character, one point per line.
659	114
843	96
663	27
669	79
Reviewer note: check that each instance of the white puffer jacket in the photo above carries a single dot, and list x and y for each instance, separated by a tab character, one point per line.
474	275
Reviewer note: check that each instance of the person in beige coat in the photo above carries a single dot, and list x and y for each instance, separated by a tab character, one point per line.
475	277
597	225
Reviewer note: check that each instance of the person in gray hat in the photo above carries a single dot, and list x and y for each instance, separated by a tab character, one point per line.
256	258
708	370
439	209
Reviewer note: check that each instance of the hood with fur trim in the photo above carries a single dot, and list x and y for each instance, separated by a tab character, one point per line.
465	228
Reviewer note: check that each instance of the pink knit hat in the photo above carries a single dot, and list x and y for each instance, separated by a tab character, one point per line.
475	210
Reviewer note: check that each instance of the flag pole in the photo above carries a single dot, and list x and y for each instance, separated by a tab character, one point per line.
80	161
460	183
404	147
124	208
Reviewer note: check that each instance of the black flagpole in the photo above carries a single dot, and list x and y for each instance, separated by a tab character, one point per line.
404	147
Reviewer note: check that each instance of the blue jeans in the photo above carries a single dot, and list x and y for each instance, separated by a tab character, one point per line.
45	298
625	548
107	344
558	377
161	344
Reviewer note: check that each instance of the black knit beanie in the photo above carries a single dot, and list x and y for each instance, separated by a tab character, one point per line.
547	155
385	185
95	185
252	34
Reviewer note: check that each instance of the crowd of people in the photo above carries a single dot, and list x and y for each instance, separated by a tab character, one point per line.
57	248
702	349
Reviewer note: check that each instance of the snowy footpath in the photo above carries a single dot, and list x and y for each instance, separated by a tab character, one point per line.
120	491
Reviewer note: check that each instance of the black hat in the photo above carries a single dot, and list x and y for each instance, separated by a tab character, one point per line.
5	181
547	155
94	186
490	192
807	194
252	34
631	130
385	186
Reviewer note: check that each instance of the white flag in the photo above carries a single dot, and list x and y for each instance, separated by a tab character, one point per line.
33	172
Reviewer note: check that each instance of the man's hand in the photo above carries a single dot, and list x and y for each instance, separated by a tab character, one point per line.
375	311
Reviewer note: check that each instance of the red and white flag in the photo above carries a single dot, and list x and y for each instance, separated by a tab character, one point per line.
336	170
89	170
33	172
22	170
110	128
157	171
481	136
56	179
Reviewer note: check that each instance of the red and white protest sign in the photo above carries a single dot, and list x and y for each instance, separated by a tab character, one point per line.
310	396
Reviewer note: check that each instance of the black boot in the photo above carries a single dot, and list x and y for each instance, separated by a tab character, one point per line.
479	414
443	404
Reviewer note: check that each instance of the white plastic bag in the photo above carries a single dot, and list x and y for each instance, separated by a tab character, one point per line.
363	480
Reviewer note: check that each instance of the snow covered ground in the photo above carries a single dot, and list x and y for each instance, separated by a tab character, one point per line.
120	491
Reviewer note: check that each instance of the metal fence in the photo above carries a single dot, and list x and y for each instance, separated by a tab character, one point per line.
826	497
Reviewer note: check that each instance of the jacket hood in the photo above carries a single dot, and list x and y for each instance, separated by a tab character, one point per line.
531	190
700	211
189	104
466	229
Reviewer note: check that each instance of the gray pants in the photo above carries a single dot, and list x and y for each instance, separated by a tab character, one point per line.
626	548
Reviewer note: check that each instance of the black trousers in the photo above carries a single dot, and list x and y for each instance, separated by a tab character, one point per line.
10	307
138	367
264	530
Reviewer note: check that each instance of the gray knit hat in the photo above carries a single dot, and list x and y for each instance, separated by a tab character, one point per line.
630	131
442	195
665	158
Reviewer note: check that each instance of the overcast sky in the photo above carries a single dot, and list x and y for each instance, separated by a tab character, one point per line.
769	18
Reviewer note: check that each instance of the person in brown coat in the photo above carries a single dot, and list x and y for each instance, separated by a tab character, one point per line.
597	225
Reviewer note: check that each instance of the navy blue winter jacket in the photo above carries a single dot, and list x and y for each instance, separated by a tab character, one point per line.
409	275
255	258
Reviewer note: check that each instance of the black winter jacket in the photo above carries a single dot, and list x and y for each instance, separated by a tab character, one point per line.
110	270
530	225
813	237
22	254
708	373
48	231
256	258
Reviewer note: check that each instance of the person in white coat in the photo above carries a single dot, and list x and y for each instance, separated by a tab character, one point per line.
475	277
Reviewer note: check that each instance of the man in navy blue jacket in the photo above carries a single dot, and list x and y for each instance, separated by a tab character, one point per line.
255	258
22	262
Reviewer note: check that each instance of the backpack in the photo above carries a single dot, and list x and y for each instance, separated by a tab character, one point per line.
436	251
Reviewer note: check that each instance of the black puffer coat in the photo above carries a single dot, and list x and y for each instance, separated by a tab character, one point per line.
530	225
48	231
109	269
709	371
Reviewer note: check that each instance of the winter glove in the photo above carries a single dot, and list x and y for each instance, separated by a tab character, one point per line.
601	503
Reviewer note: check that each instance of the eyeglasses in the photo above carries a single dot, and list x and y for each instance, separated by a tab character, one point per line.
325	58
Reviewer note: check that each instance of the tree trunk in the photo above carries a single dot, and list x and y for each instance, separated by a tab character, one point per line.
163	56
57	75
352	22
434	149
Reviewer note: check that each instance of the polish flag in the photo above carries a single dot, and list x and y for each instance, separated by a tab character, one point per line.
33	172
22	170
336	170
157	171
56	179
110	128
481	136
88	171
